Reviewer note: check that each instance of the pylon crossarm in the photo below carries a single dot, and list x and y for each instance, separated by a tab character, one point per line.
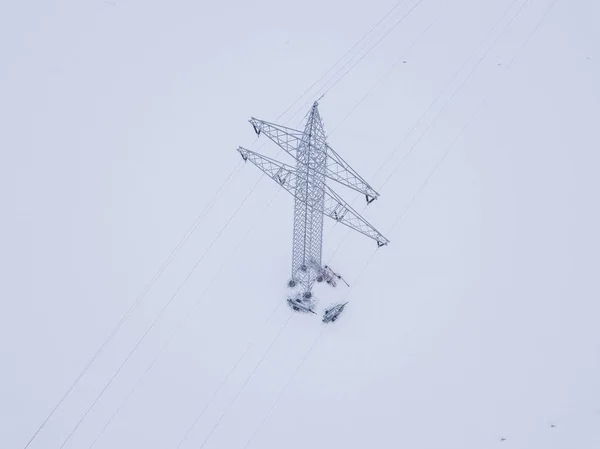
285	175
339	170
288	139
338	209
333	206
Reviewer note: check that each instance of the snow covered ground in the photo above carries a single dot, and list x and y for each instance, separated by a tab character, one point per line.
476	121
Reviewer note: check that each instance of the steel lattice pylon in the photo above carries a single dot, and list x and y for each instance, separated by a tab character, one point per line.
316	161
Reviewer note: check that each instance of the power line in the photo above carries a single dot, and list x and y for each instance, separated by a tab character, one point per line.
182	322
474	113
245	383
214	428
415	6
314	344
162	311
217	424
385	75
448	84
363	56
421	188
462	84
138	300
224	381
174	252
424	184
429	177
284	388
385	16
391	155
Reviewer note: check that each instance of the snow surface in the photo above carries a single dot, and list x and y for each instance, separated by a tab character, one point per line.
120	121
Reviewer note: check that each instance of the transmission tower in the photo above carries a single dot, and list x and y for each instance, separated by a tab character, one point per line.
316	162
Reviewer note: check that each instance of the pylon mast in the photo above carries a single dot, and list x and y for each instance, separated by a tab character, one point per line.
316	161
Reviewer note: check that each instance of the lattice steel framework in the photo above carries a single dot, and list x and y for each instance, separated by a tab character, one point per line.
316	161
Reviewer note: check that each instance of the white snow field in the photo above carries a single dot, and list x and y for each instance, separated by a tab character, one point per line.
144	265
